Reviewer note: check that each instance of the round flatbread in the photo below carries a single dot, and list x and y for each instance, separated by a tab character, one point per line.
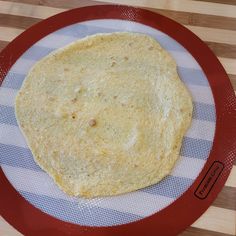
106	114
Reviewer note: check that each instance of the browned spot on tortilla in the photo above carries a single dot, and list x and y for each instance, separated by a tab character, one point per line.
73	115
51	99
74	100
92	122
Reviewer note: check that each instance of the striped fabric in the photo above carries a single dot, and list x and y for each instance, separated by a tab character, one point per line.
17	161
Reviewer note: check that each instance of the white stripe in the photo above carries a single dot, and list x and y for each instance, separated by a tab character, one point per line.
201	94
40	183
55	41
193	165
201	129
11	135
7	96
132	203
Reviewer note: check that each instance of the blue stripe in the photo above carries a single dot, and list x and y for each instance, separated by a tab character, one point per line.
167	43
187	75
171	186
17	157
72	211
203	111
13	80
195	148
22	157
37	52
80	31
192	76
7	115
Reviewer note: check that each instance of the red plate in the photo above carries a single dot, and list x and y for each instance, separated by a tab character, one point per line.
186	209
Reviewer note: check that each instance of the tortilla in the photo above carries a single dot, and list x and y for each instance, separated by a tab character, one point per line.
106	114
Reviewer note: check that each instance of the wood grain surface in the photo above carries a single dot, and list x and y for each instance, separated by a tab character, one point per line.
214	21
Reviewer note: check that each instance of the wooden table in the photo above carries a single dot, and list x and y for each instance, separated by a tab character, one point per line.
214	21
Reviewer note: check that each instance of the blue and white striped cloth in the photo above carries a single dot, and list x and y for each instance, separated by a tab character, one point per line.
38	188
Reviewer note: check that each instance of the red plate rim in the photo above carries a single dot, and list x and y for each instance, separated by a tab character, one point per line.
186	209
